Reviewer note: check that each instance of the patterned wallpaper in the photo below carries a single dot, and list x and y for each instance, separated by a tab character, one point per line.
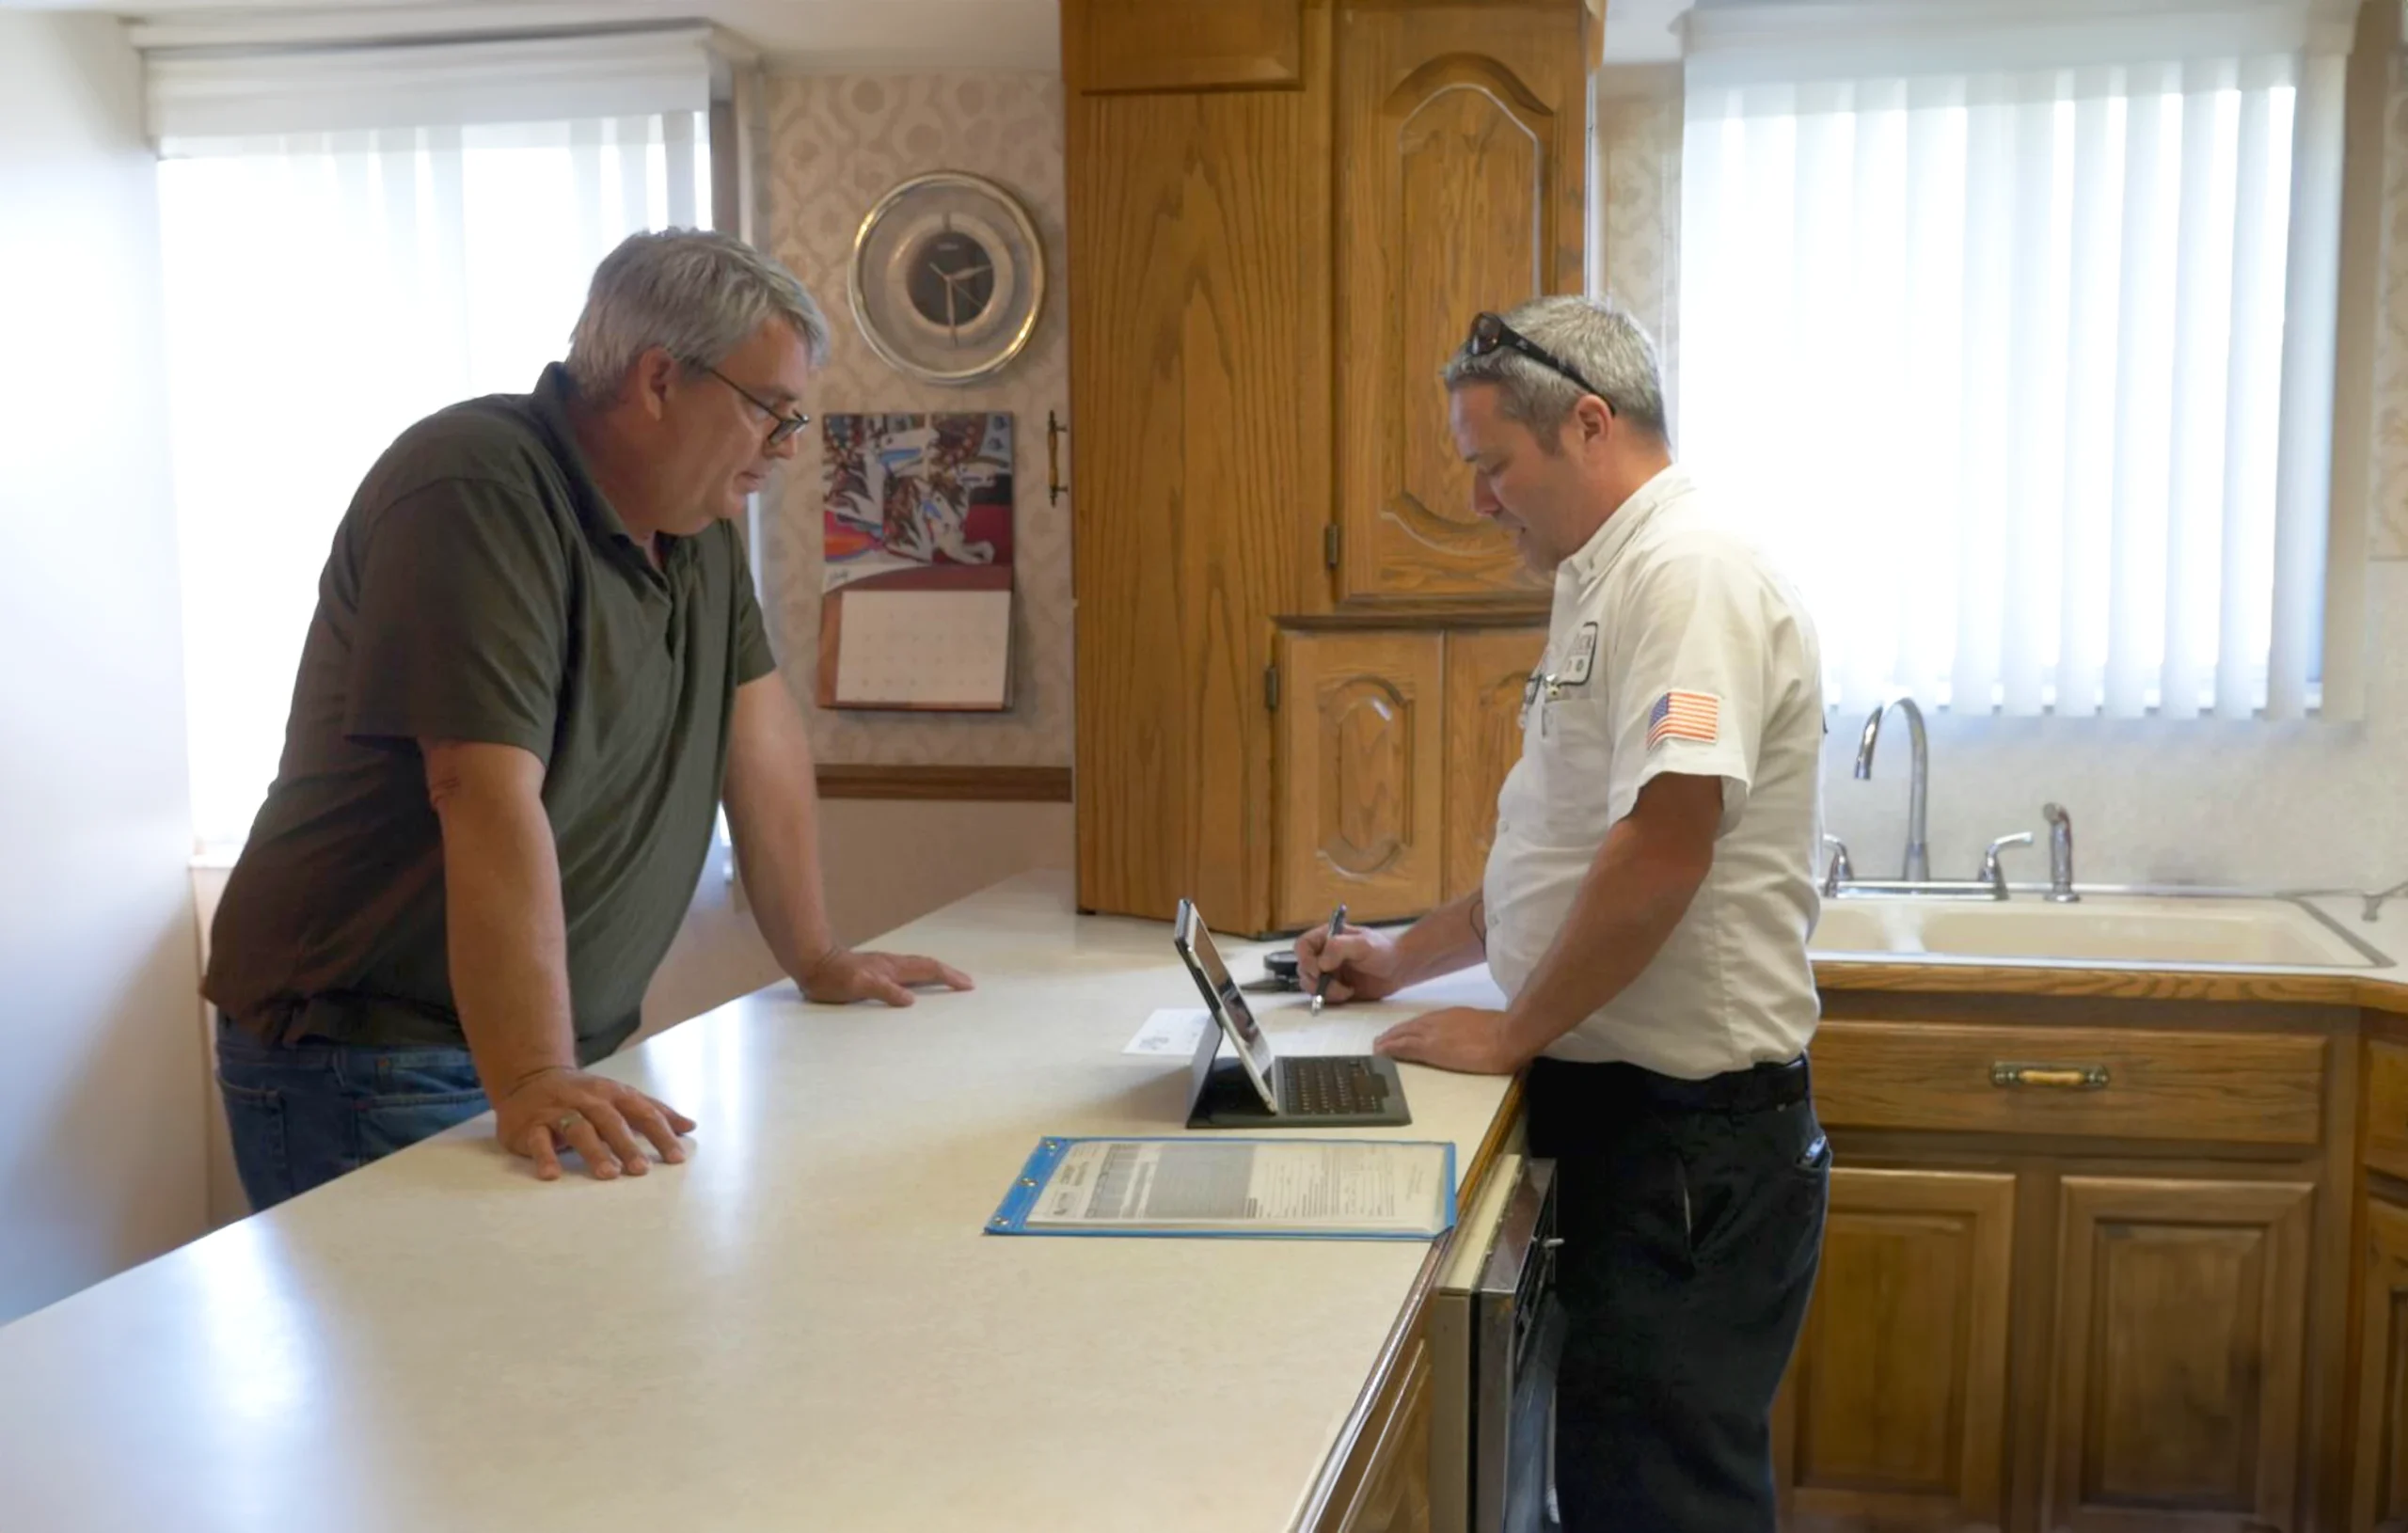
1638	172
837	144
2387	522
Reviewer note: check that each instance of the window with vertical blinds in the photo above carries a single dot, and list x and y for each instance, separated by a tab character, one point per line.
2015	342
326	289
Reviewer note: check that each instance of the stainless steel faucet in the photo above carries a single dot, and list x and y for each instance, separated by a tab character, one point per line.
1838	870
2060	854
1918	867
1995	875
2374	902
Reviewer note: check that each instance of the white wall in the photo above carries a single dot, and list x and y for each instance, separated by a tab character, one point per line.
100	1078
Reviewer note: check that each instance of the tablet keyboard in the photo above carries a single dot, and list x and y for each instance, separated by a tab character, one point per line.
1332	1087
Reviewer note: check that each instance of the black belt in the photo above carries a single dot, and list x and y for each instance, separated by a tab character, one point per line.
1621	1084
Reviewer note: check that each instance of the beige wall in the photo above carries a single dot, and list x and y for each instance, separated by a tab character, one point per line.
101	1093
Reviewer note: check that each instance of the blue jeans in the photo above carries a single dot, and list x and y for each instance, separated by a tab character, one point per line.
305	1115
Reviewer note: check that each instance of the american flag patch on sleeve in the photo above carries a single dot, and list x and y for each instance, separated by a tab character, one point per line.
1683	716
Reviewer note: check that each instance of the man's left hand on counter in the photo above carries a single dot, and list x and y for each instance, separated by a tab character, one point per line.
844	976
1470	1039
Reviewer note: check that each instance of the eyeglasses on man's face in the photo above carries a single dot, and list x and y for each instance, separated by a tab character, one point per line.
783	425
1490	333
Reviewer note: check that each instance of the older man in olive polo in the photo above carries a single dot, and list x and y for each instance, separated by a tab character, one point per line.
535	668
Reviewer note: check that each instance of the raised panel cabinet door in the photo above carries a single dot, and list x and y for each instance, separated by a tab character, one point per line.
2174	1401
1894	1412
1140	45
1485	673
2379	1481
1361	775
1461	179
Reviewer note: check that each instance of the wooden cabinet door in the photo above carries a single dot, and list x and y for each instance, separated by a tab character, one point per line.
1895	1411
1462	177
2378	1483
1485	670
1137	45
1362	775
1199	269
2174	1401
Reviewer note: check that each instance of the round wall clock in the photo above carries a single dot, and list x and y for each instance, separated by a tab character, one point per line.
947	277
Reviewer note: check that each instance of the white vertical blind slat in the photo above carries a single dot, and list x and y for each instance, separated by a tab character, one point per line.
2143	321
2034	470
2246	544
2086	531
2304	470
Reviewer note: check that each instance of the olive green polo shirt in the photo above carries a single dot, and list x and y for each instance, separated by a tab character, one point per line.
481	588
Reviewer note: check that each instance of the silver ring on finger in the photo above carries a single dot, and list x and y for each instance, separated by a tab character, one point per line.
566	1121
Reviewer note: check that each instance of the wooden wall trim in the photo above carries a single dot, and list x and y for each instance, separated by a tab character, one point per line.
980	784
1365	617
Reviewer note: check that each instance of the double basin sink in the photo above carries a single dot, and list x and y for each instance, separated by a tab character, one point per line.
2183	931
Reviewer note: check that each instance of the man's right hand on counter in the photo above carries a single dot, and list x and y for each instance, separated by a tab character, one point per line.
599	1119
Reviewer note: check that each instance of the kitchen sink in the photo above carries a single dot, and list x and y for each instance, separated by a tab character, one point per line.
2186	931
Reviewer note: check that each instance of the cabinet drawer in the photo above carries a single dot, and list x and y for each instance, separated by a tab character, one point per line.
2257	1088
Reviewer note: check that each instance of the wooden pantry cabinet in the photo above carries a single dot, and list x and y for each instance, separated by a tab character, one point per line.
1282	215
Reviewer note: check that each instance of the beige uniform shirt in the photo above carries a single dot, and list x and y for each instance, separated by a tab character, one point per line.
1673	646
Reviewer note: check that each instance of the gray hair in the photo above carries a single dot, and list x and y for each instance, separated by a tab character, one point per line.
696	293
1596	338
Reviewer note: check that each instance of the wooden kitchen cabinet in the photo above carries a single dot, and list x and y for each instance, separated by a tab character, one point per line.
1362	738
2176	1402
1257	189
1167	45
2087	1270
2379	1477
1392	746
1460	177
1896	1409
1485	673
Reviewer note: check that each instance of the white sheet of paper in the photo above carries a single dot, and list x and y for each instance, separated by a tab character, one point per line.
1237	1185
1297	1032
1170	1031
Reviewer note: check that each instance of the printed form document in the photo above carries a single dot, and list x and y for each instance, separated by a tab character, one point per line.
1363	1188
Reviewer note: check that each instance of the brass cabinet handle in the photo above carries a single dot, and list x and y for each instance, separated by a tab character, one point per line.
2062	1077
1054	432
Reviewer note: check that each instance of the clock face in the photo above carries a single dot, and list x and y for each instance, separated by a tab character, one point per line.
951	279
948	275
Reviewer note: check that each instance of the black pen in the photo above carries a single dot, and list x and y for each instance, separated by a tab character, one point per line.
1337	919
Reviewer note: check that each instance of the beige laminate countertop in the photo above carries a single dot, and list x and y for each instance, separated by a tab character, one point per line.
802	1327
